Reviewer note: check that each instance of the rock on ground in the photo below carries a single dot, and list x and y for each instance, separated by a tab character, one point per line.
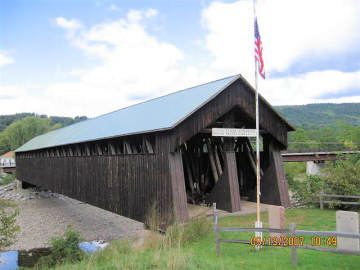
43	216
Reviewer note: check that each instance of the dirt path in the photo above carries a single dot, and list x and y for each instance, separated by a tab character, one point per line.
41	219
247	208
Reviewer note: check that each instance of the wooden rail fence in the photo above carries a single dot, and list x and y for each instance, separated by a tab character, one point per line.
322	202
292	232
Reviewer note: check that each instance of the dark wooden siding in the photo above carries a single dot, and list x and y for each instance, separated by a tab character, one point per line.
126	184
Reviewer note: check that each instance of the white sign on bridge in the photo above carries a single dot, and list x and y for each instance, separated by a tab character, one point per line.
233	132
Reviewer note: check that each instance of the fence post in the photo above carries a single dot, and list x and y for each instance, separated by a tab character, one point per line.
216	230
292	229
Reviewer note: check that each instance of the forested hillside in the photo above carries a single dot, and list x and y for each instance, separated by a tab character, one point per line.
321	115
323	126
19	128
6	120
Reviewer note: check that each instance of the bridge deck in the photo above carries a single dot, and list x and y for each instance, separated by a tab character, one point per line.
314	156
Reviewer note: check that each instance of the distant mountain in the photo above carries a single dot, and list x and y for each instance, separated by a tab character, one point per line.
321	115
6	120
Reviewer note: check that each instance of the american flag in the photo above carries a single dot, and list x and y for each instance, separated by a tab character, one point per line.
258	50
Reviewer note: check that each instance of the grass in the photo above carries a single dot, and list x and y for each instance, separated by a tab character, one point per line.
6	203
278	257
189	252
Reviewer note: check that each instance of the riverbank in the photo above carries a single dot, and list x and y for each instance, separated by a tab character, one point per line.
45	216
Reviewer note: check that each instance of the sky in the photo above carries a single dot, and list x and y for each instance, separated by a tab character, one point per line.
89	57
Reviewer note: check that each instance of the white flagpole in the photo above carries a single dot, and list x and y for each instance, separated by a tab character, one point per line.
258	220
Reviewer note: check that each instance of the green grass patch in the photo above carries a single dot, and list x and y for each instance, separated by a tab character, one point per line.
240	256
193	247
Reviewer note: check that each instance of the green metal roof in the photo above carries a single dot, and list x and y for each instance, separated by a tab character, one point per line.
156	114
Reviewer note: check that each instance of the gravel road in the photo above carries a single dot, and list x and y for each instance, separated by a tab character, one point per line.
40	219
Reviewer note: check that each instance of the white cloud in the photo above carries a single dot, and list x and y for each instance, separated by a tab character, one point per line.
134	65
12	98
134	15
5	60
352	99
309	87
291	31
137	15
68	24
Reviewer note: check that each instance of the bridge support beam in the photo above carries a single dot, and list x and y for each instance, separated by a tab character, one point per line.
315	168
274	189
226	192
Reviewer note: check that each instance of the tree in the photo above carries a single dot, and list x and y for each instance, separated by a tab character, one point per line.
350	135
24	130
343	176
4	144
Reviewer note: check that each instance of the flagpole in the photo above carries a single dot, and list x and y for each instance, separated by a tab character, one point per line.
257	138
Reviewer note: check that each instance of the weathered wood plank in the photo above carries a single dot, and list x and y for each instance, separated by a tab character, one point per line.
212	161
217	160
125	184
188	170
178	186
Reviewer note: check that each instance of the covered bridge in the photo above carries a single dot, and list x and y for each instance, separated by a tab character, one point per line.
161	151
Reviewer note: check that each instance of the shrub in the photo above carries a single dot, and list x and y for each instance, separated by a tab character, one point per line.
292	171
7	179
341	178
344	176
8	227
63	250
307	191
178	235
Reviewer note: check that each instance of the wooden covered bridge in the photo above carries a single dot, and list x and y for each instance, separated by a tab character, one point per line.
161	151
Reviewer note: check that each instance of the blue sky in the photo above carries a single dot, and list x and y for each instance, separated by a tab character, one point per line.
29	31
90	57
